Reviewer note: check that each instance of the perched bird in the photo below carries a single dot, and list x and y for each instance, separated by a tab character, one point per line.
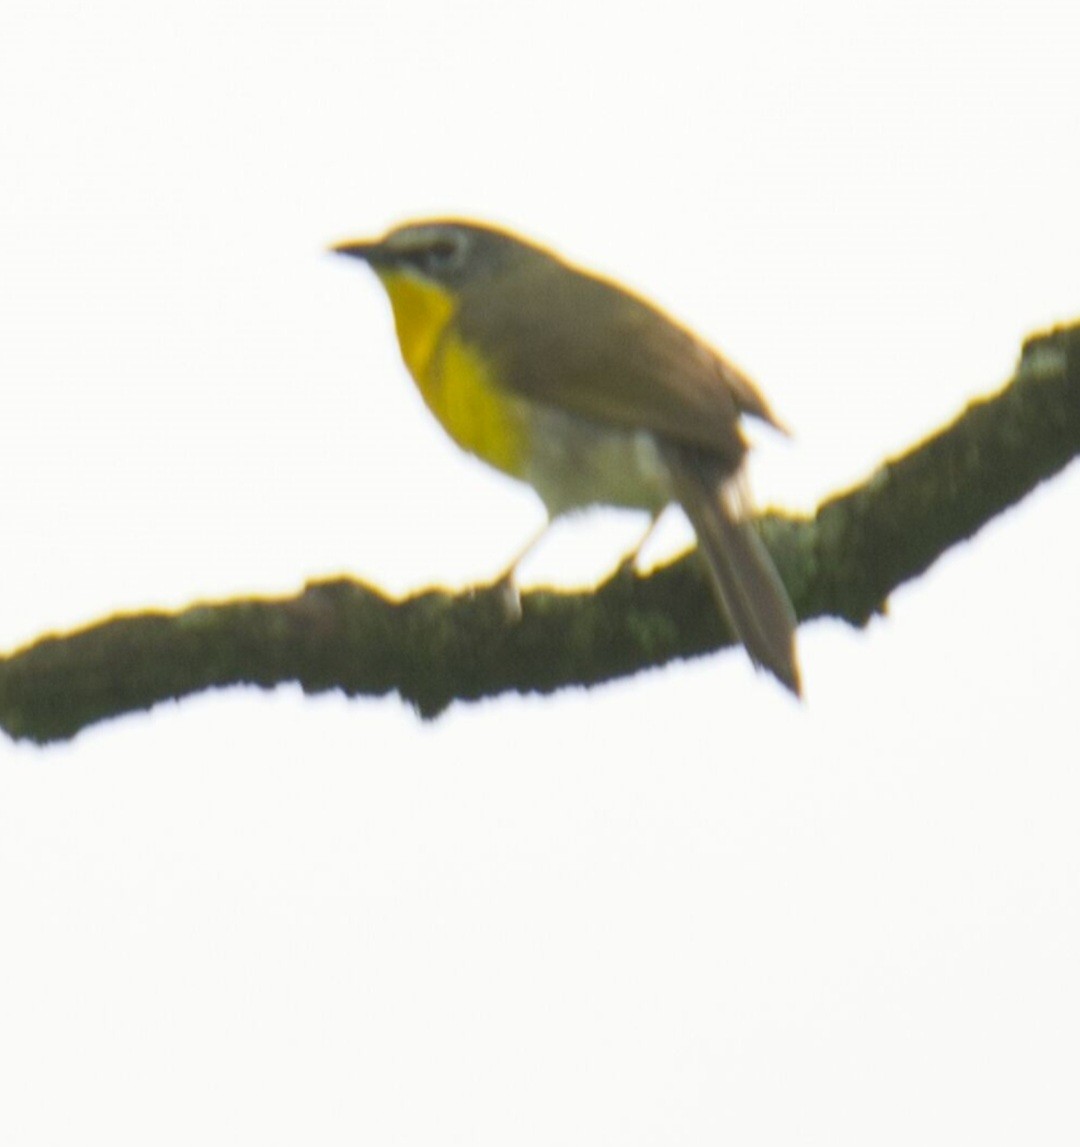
587	392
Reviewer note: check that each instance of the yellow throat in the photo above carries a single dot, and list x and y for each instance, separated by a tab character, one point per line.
454	380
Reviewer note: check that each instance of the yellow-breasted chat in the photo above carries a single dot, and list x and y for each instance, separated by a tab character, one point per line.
587	392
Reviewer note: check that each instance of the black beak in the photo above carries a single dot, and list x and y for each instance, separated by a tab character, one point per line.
367	250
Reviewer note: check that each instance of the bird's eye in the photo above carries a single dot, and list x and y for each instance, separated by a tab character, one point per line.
443	254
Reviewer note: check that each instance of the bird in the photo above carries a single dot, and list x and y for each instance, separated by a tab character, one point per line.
589	393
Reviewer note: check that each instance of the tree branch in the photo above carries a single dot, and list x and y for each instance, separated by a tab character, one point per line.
436	647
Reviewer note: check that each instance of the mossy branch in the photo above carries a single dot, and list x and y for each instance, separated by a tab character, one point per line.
436	647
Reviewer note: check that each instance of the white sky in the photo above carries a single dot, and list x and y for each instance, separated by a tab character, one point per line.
682	909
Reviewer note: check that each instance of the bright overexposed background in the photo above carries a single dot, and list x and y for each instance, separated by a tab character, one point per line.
680	909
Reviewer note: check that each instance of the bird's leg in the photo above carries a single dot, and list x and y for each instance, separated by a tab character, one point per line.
506	583
628	563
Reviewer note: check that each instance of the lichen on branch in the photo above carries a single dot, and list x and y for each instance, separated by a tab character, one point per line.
436	647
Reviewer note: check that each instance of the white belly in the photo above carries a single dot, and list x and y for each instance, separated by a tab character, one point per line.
576	463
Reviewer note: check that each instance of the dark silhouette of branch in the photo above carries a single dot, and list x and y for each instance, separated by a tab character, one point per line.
436	647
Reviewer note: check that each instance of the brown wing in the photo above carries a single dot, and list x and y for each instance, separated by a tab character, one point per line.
578	343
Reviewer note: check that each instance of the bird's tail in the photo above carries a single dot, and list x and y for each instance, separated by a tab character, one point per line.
747	586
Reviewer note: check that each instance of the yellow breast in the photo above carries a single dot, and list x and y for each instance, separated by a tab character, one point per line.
453	377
